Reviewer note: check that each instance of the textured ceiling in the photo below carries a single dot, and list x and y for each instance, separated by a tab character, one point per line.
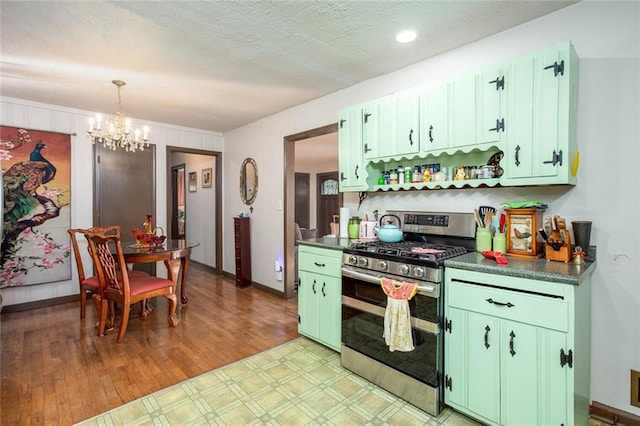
218	65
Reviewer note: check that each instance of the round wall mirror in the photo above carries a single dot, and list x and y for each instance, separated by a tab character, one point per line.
248	181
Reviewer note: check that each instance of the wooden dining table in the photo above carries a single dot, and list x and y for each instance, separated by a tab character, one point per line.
175	255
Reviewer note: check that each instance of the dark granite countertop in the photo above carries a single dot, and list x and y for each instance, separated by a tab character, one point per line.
536	269
334	243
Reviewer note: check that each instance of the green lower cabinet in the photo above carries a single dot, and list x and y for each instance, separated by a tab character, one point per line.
510	356
319	296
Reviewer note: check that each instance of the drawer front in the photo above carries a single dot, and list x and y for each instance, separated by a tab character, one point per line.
320	261
533	309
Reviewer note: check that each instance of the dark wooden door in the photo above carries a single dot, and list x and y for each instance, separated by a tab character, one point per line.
124	192
302	199
328	201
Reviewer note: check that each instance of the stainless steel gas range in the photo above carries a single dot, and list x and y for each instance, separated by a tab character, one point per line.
429	239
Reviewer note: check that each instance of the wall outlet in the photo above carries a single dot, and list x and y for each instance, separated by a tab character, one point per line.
279	204
635	388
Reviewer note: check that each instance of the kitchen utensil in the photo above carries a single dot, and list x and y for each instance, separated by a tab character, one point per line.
488	219
389	233
476	214
483	213
503	222
543	234
548	227
496	255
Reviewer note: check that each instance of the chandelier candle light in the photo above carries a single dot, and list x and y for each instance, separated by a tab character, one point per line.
117	130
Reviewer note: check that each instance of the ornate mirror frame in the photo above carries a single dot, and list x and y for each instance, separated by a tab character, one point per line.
248	181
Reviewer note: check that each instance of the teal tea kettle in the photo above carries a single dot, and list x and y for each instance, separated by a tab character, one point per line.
389	233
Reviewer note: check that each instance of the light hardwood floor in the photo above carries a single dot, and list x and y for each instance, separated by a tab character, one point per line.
55	370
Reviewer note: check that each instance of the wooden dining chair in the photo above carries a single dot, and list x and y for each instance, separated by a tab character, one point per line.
90	286
120	287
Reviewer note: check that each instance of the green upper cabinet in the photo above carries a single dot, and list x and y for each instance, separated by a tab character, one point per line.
379	128
434	109
525	107
541	144
408	118
351	159
478	105
390	126
491	87
463	111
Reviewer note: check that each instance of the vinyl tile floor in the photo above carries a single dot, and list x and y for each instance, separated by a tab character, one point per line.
297	383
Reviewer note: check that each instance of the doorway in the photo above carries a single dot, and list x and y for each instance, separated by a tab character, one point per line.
210	189
289	201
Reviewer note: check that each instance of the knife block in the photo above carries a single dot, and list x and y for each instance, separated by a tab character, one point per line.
563	254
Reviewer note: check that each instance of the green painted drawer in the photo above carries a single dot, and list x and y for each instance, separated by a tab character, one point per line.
320	261
528	308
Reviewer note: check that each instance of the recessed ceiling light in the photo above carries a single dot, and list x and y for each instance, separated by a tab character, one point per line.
406	36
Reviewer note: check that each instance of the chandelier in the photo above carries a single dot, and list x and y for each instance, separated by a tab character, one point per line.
117	132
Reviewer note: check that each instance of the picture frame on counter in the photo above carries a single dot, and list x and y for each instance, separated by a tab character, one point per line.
522	232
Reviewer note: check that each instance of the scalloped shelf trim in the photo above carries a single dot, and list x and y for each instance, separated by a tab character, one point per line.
472	183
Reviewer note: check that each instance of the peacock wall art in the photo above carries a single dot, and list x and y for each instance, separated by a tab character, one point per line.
36	195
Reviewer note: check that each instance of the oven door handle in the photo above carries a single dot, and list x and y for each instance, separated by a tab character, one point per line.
348	272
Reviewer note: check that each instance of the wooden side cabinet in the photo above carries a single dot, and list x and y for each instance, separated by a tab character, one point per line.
242	230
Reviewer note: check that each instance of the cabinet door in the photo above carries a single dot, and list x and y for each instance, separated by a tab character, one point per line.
330	310
408	117
351	160
484	366
463	108
472	363
534	385
379	128
541	138
434	130
490	87
309	324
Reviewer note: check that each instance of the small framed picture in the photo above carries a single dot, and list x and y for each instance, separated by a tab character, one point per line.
207	178
522	234
193	181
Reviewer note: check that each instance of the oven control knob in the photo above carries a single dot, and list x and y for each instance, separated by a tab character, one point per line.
364	261
405	269
418	272
383	266
353	260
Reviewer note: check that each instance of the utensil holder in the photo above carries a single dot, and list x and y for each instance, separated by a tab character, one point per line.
483	239
582	233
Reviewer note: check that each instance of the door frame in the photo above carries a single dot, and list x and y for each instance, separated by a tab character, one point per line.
289	201
218	193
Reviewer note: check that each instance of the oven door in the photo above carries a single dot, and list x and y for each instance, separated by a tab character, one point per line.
363	306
